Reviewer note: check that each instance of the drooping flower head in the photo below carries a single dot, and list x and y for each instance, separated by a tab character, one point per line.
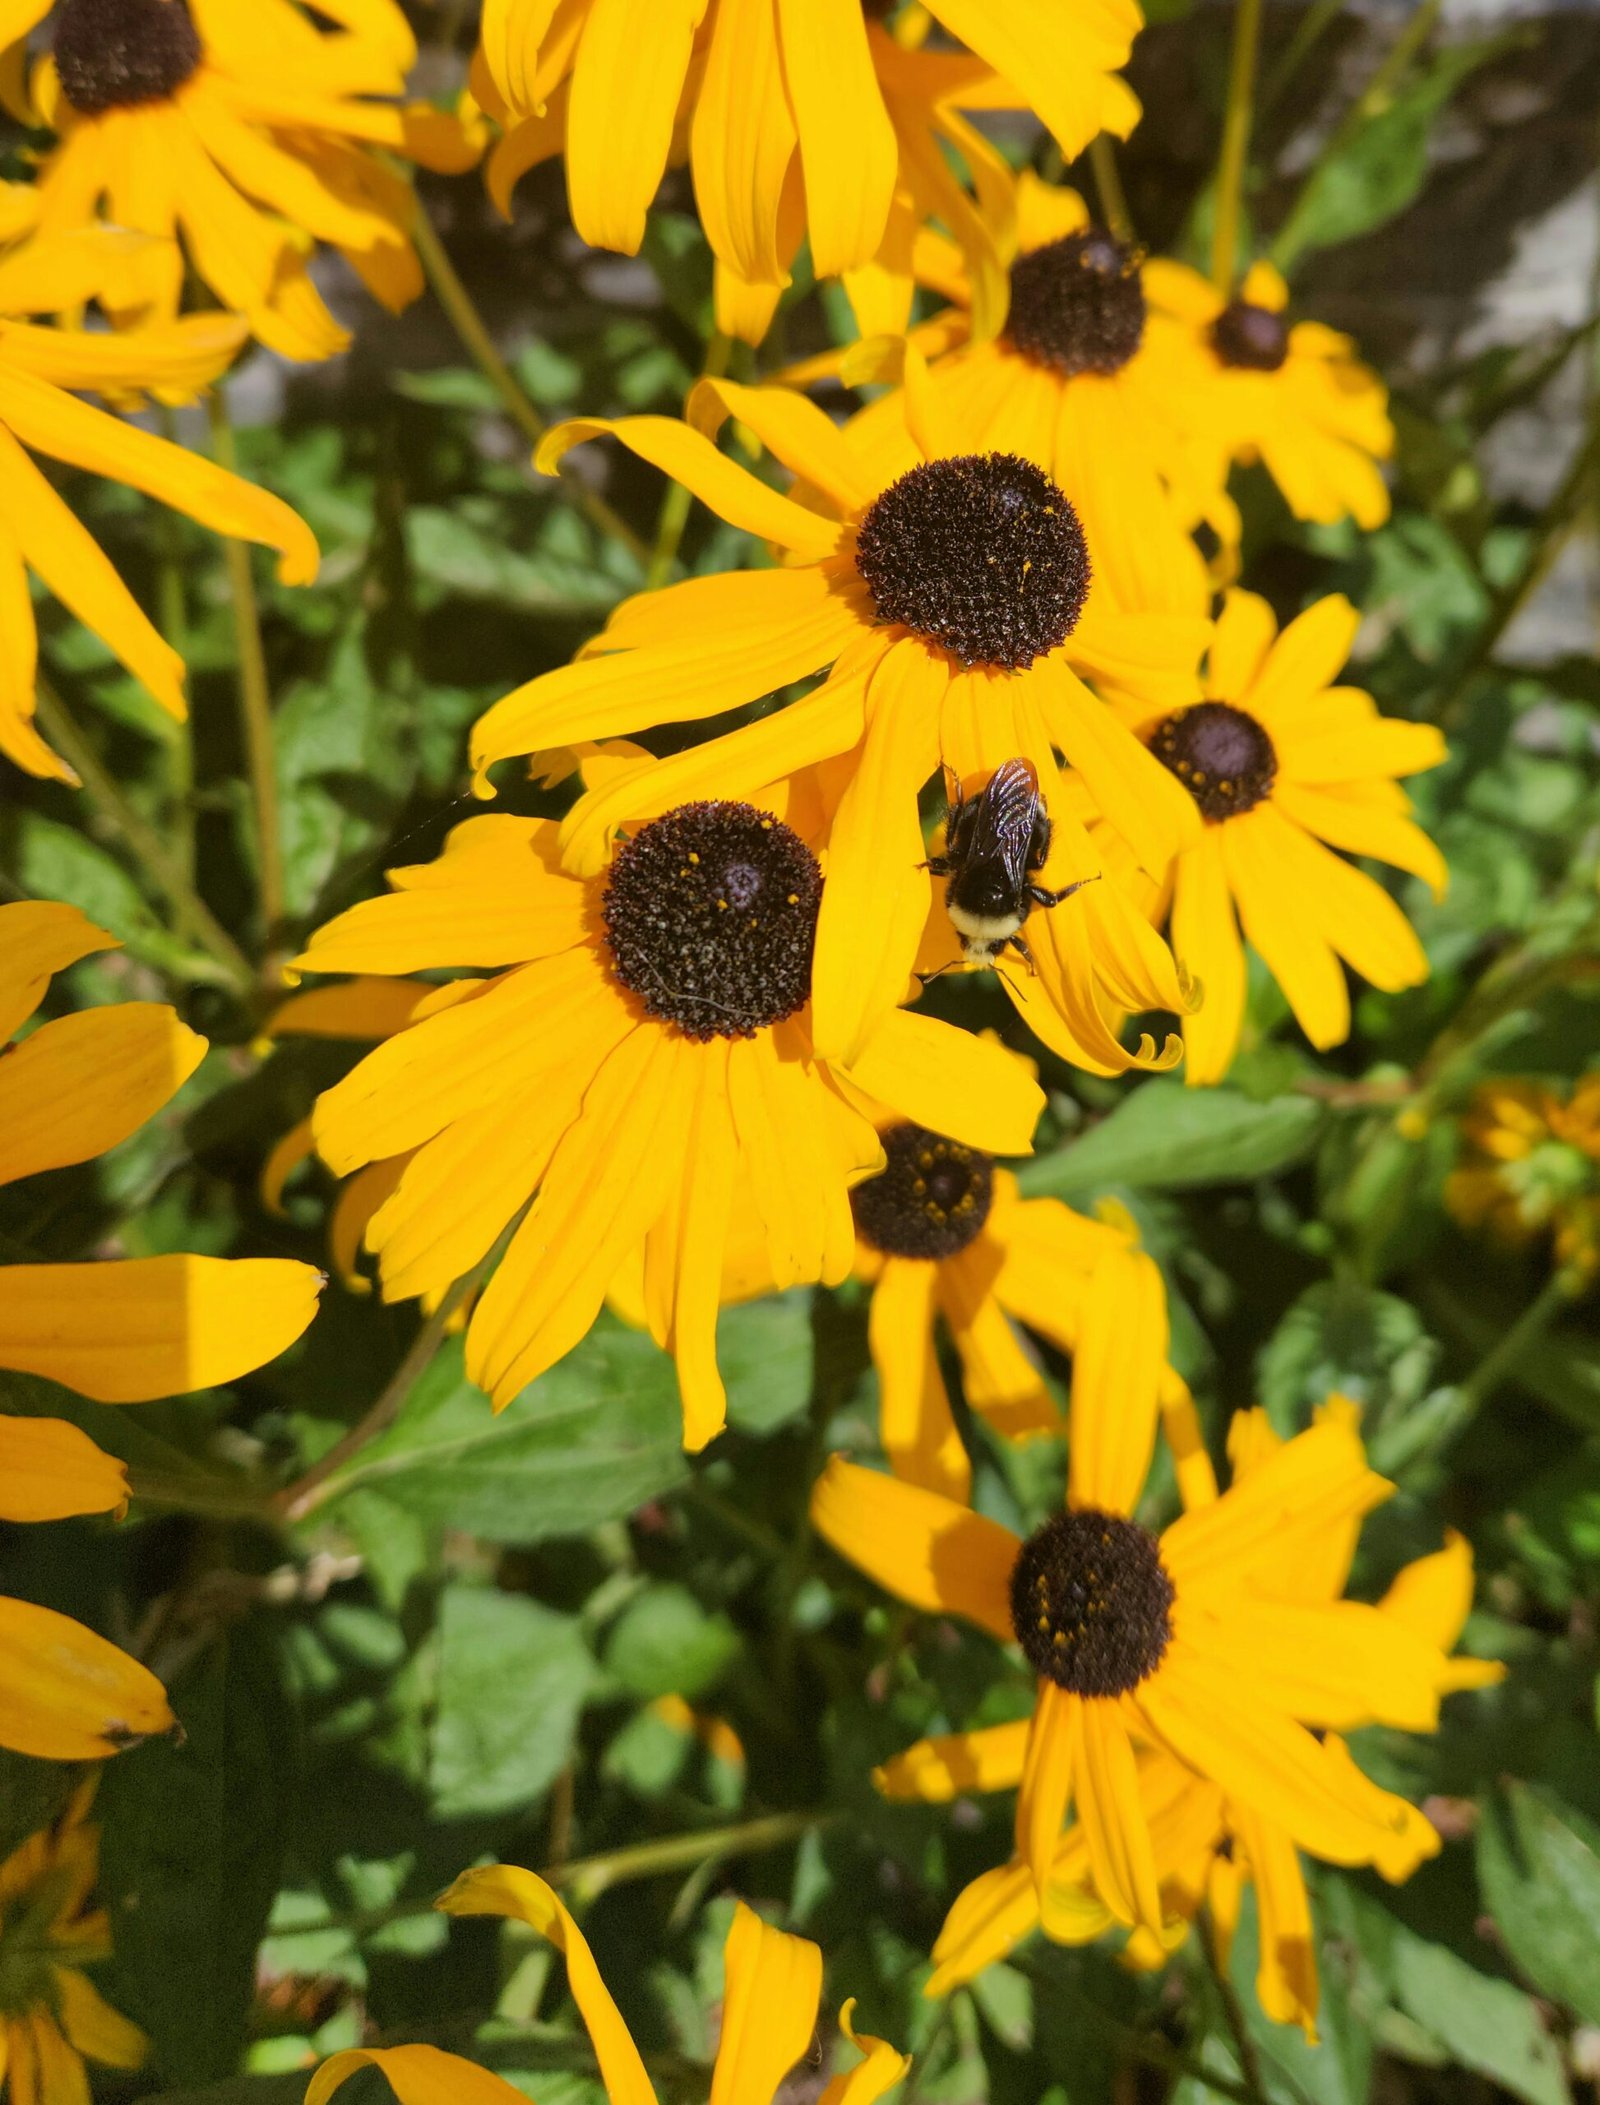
235	139
40	534
1530	1167
1284	767
640	1065
955	600
120	1331
800	122
52	2017
773	1983
1177	1641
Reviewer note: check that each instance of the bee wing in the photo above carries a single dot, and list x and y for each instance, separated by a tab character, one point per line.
1003	820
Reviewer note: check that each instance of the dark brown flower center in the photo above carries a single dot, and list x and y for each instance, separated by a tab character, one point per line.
1091	1603
1253	337
930	1199
1078	306
112	54
711	917
979	553
1222	756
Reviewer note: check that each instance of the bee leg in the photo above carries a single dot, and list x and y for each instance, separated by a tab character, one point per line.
938	972
937	866
1019	944
1040	897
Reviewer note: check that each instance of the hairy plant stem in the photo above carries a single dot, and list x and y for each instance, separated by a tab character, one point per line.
1233	2011
674	514
589	1877
255	698
1559	1291
1235	153
1108	183
480	347
191	917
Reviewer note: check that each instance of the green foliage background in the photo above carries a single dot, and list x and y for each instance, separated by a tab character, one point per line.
455	1651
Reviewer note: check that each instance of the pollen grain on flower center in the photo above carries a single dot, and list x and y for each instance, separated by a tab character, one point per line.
1091	1603
1077	305
1222	756
980	553
711	916
1254	338
112	54
930	1199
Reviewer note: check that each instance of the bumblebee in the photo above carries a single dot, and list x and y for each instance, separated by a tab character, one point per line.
995	842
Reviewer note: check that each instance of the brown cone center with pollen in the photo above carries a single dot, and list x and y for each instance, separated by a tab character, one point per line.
930	1199
1254	338
980	553
113	54
1221	755
711	918
1091	1603
1077	306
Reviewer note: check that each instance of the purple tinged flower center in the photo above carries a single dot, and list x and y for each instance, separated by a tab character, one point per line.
1221	755
1091	1603
1255	338
114	54
930	1199
1077	305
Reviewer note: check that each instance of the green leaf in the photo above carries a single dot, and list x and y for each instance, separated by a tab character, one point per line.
513	1676
468	557
193	1845
591	1440
665	1644
764	1351
1539	1868
1341	1336
1381	170
1485	2024
1168	1137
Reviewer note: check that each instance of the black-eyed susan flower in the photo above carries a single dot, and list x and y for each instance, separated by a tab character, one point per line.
39	533
1208	1845
955	602
773	1984
1284	768
1174	1641
235	139
639	1065
799	123
944	1234
1292	395
1530	1167
52	2017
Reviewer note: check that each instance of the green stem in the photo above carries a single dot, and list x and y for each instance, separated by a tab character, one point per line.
1372	103
1309	31
674	514
480	347
255	698
589	1877
1235	146
1233	2010
1108	182
191	917
1501	1359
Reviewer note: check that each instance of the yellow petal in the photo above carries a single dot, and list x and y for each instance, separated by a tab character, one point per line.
847	144
416	2075
951	1082
871	2078
49	1470
83	1083
934	1771
1111	1812
1049	1776
1246	631
914	1420
67	1695
987	1921
793	430
1117	1371
1281	919
92	2027
503	1889
931	1552
626	83
37	939
1207	944
769	2009
142	1327
1286	1981
742	143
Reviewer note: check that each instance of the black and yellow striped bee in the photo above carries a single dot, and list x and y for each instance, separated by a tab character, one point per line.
995	843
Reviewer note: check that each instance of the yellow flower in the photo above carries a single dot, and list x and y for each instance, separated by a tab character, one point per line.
1531	1166
942	1231
1292	395
799	121
52	2017
769	2016
122	1331
236	138
1283	766
953	596
1175	1641
642	1060
39	533
1208	1846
